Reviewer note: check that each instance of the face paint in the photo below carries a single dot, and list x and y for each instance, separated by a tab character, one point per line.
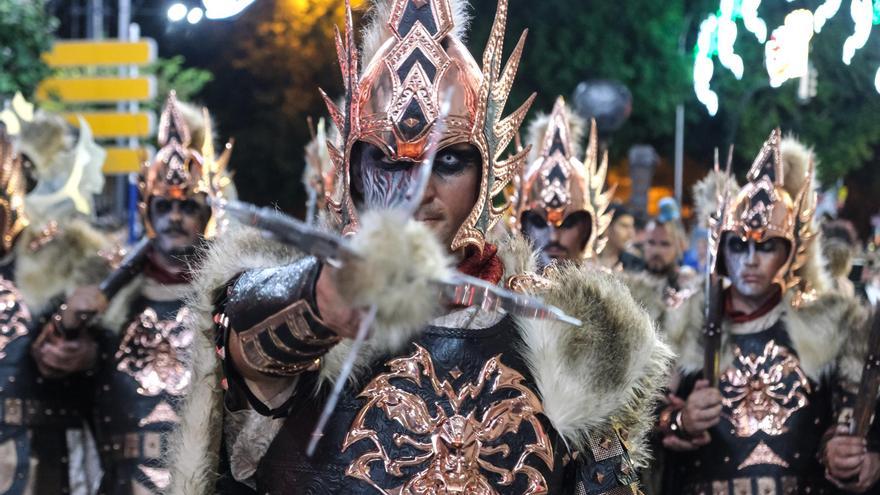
752	265
565	242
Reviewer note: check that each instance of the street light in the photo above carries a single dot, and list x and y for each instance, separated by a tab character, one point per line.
177	12
224	9
195	15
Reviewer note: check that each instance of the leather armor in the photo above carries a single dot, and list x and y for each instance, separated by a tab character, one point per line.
772	423
35	413
139	387
455	411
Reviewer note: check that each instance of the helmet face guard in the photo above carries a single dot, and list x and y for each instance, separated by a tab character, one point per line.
395	105
557	185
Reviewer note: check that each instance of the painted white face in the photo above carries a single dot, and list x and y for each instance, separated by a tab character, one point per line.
752	265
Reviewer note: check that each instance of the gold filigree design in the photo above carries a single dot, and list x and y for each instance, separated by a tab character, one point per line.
394	104
454	442
760	393
12	191
14	315
558	184
153	352
162	413
762	454
160	477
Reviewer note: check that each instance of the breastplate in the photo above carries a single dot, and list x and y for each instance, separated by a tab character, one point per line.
773	419
455	412
139	388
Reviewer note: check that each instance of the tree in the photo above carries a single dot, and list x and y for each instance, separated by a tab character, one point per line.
25	33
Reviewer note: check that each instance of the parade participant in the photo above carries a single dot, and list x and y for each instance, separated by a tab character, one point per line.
786	344
474	401
143	343
665	241
621	233
48	249
561	206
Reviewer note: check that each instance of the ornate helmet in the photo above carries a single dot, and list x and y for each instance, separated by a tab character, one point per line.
12	191
557	184
777	201
416	60
317	175
179	169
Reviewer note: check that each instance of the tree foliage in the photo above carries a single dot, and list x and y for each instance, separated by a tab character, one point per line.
25	33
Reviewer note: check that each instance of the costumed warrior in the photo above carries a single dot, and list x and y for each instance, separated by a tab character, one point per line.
48	249
561	205
755	395
143	343
444	399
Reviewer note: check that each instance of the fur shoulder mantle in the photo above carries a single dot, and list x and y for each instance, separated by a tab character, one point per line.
826	331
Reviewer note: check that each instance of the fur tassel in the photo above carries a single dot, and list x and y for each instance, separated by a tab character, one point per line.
607	371
538	128
376	32
796	162
404	293
706	192
839	256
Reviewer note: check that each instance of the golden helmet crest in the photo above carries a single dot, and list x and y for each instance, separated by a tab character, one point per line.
778	201
556	183
181	168
13	186
416	61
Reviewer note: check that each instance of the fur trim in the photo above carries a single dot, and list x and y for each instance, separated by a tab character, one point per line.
706	192
404	293
194	447
839	256
67	261
824	332
118	312
609	371
647	291
538	128
796	162
375	31
195	122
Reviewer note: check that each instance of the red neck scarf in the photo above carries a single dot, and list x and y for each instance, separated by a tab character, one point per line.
157	272
486	266
737	316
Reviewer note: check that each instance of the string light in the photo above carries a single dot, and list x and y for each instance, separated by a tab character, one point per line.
824	12
787	53
752	21
726	33
862	12
703	66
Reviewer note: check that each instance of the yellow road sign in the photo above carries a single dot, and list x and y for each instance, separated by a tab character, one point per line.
108	52
98	89
124	160
112	124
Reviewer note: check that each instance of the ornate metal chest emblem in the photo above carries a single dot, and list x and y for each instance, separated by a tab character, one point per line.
453	441
761	392
14	315
152	352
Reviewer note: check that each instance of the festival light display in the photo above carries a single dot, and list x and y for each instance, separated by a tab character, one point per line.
786	51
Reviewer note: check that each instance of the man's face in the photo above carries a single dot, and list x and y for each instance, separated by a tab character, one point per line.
621	232
660	250
179	224
752	265
565	242
449	196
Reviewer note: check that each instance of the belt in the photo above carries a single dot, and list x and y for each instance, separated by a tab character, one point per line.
756	485
135	446
32	412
